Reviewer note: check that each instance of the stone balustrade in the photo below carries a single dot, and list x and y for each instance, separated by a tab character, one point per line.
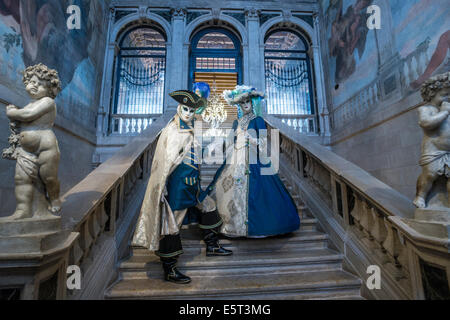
358	104
366	219
413	65
131	124
302	123
103	208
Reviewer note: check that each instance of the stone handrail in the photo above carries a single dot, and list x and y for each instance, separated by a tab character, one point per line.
95	206
364	216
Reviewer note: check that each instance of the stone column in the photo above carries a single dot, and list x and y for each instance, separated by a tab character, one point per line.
107	81
254	53
176	58
322	108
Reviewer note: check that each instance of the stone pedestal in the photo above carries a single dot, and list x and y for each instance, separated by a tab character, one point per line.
34	256
432	222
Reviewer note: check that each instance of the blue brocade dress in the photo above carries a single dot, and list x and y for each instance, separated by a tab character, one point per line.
252	204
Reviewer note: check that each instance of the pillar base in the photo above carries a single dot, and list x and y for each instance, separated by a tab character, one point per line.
34	255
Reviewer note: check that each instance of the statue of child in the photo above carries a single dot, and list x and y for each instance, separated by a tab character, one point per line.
435	122
37	152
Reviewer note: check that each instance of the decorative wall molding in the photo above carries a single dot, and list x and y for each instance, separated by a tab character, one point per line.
178	13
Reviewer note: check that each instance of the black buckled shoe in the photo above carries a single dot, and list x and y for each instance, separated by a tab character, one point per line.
171	272
213	248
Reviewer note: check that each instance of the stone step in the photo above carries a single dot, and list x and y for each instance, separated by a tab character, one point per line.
239	263
307	224
9	228
299	285
300	240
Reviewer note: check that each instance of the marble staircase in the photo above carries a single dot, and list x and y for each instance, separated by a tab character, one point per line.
302	265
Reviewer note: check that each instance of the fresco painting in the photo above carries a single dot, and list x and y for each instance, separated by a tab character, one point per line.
353	49
36	31
420	21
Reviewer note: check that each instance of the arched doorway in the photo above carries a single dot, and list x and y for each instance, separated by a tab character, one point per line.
140	80
289	80
216	58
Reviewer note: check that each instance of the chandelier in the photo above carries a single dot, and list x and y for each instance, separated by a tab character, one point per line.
215	113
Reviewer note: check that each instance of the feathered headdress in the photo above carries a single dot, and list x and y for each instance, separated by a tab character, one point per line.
242	93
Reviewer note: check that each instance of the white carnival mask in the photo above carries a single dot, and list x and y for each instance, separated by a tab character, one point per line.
247	106
186	113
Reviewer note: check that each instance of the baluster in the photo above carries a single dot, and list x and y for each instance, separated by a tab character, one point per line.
128	125
411	71
378	229
403	257
356	212
390	244
94	227
102	217
419	68
76	253
85	239
366	219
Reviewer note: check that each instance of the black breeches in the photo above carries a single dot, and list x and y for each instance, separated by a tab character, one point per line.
171	247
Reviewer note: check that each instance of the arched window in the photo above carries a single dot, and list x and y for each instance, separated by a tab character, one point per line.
216	59
288	79
215	50
141	75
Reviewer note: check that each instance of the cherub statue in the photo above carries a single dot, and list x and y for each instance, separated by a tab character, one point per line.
33	143
435	122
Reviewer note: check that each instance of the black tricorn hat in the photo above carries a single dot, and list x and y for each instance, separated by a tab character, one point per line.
188	98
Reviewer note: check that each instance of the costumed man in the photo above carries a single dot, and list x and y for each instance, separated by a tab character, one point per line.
174	188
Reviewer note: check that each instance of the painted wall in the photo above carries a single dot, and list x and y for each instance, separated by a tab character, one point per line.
374	78
34	32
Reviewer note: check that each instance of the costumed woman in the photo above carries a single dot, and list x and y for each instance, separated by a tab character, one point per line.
173	189
251	201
